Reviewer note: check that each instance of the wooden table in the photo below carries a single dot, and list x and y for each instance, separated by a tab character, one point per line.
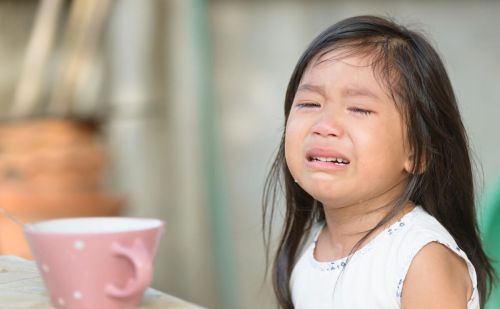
21	288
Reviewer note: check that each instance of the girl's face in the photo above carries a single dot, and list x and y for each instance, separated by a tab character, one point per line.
344	141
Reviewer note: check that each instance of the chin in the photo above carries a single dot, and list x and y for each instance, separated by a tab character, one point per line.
331	197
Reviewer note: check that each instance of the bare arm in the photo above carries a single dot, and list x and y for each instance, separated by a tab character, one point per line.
437	278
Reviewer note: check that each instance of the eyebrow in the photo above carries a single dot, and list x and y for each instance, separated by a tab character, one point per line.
349	91
312	88
356	91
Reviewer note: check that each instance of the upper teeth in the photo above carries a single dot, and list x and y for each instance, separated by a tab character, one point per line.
331	159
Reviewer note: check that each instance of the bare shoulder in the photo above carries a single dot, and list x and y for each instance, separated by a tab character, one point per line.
437	278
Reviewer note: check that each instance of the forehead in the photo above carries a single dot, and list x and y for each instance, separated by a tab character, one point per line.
344	69
351	59
356	57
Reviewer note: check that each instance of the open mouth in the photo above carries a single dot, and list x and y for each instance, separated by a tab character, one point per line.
332	160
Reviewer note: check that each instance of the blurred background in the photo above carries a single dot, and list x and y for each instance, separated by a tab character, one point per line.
173	109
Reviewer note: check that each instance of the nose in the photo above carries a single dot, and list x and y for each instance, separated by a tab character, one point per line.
329	123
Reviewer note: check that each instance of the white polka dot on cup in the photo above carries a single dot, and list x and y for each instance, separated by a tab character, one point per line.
61	301
79	245
77	295
45	268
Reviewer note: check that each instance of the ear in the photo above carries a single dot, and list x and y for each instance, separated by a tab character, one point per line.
409	163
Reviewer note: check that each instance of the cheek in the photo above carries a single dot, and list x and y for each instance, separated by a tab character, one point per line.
293	145
380	151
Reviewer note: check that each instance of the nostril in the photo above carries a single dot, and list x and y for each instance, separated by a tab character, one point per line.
326	133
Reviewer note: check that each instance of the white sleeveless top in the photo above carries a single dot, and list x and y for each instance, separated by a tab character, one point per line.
375	274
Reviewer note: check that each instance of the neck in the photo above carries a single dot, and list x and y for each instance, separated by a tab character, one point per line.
347	225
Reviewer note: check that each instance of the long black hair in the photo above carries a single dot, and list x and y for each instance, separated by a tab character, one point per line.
441	180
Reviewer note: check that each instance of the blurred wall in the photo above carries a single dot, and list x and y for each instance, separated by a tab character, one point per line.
15	24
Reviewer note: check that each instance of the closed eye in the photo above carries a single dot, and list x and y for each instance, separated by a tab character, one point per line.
307	105
360	111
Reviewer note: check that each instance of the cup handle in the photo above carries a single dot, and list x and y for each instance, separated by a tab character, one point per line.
139	256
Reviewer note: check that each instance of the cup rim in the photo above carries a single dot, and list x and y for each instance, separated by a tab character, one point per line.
92	225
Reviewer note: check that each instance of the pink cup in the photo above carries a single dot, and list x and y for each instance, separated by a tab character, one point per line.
95	263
